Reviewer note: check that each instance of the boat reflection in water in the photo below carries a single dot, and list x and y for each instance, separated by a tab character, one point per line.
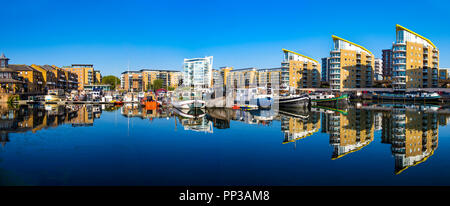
410	130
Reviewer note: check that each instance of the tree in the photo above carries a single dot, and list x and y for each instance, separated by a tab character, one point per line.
111	80
157	84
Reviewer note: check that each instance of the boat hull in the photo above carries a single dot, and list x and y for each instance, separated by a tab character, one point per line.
295	101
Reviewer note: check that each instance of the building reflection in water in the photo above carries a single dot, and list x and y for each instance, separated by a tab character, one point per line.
412	133
413	137
297	126
349	131
34	118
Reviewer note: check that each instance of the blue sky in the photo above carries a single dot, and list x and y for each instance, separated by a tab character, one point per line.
160	34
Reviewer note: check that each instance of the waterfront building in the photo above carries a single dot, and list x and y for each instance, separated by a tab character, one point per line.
71	80
98	77
387	63
170	78
33	79
415	61
351	65
144	79
10	82
48	76
242	78
61	79
269	78
325	69
224	71
378	69
86	74
132	81
197	72
443	74
303	70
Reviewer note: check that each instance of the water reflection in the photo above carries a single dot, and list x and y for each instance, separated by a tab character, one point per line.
411	130
34	118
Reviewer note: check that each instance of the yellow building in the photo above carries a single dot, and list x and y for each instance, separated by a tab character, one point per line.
33	79
48	75
242	78
143	80
351	65
60	77
85	72
303	70
415	61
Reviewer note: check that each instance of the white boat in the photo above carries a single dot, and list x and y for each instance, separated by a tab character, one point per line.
189	104
54	95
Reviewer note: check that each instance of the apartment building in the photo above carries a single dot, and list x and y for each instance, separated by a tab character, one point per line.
86	74
48	76
61	79
242	78
378	69
303	71
33	79
443	73
387	63
269	78
10	82
132	81
143	80
351	65
197	72
415	61
325	69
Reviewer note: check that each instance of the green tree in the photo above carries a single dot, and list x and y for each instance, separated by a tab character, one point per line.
157	84
111	80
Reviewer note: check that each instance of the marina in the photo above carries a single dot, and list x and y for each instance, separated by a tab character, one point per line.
361	144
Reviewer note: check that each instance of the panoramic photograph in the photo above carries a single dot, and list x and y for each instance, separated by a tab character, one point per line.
198	93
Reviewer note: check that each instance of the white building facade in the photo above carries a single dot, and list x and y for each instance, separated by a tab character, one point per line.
378	69
198	73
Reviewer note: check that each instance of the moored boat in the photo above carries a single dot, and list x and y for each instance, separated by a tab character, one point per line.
407	96
302	100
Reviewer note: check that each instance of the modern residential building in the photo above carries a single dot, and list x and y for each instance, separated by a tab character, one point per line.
325	69
86	74
132	81
143	80
351	65
242	78
48	75
270	78
33	79
378	69
303	70
415	61
197	72
60	77
443	73
387	63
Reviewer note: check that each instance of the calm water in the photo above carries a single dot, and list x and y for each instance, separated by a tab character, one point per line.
91	145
